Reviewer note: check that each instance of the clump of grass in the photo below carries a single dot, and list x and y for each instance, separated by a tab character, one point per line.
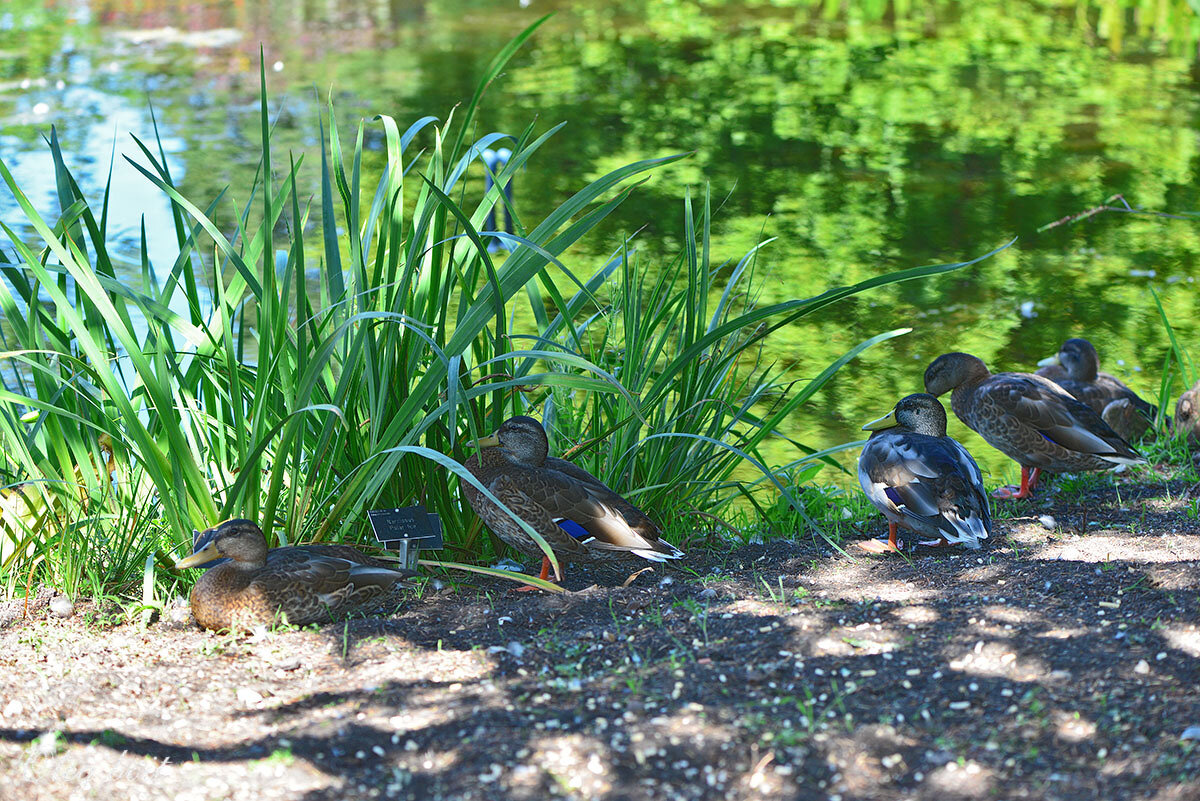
301	381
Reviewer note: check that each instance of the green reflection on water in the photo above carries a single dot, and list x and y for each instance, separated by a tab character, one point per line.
865	136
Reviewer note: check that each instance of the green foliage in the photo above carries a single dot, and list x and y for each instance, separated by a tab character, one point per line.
302	382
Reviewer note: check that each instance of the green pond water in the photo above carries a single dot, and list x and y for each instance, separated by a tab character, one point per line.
863	136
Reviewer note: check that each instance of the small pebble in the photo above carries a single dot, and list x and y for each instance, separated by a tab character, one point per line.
1142	667
48	744
1190	733
61	606
1048	522
247	695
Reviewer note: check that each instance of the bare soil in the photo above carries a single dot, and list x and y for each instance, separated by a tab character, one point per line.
1060	662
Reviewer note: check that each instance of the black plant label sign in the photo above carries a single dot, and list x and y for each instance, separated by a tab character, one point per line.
413	523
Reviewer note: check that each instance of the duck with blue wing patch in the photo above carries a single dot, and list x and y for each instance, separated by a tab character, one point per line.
1028	418
921	479
579	517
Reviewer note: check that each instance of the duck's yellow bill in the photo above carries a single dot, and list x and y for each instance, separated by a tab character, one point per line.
887	421
1049	360
487	442
206	554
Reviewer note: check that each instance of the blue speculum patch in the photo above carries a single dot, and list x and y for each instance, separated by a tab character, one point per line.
893	496
574	529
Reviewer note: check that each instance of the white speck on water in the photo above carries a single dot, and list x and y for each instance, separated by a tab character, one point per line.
41	108
277	66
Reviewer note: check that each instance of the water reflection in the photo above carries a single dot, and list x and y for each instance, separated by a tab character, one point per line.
866	136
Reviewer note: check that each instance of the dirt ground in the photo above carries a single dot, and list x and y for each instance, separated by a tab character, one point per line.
1060	662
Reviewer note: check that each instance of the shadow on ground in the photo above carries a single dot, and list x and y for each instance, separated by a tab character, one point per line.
1060	663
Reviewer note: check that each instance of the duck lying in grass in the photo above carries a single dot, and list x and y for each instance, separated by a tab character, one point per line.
1076	368
573	511
1029	418
1187	414
921	479
259	587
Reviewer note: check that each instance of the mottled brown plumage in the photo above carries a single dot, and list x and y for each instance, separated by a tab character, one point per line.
579	517
1029	418
1187	414
260	586
1076	368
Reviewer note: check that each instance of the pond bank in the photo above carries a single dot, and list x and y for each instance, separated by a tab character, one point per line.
1060	662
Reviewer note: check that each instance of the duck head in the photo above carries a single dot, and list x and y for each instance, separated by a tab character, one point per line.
919	413
239	539
952	370
1078	357
521	439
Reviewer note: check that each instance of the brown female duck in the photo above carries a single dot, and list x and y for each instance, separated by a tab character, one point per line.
1076	368
261	586
573	511
1029	418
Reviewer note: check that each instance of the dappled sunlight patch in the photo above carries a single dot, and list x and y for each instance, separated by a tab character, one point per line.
1063	632
853	582
999	659
573	762
752	607
916	614
969	780
872	756
1027	533
1104	548
1186	640
984	574
1010	614
1072	728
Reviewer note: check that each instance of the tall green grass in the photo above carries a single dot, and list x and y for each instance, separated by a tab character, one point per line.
304	401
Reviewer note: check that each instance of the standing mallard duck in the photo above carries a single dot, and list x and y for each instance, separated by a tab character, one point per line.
1028	418
1076	368
579	517
259	586
922	479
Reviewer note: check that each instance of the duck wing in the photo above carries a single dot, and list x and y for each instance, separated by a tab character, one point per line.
1116	389
593	514
326	575
1046	410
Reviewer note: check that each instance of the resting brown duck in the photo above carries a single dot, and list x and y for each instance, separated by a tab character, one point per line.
1076	368
1028	418
573	511
1187	414
921	479
259	586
